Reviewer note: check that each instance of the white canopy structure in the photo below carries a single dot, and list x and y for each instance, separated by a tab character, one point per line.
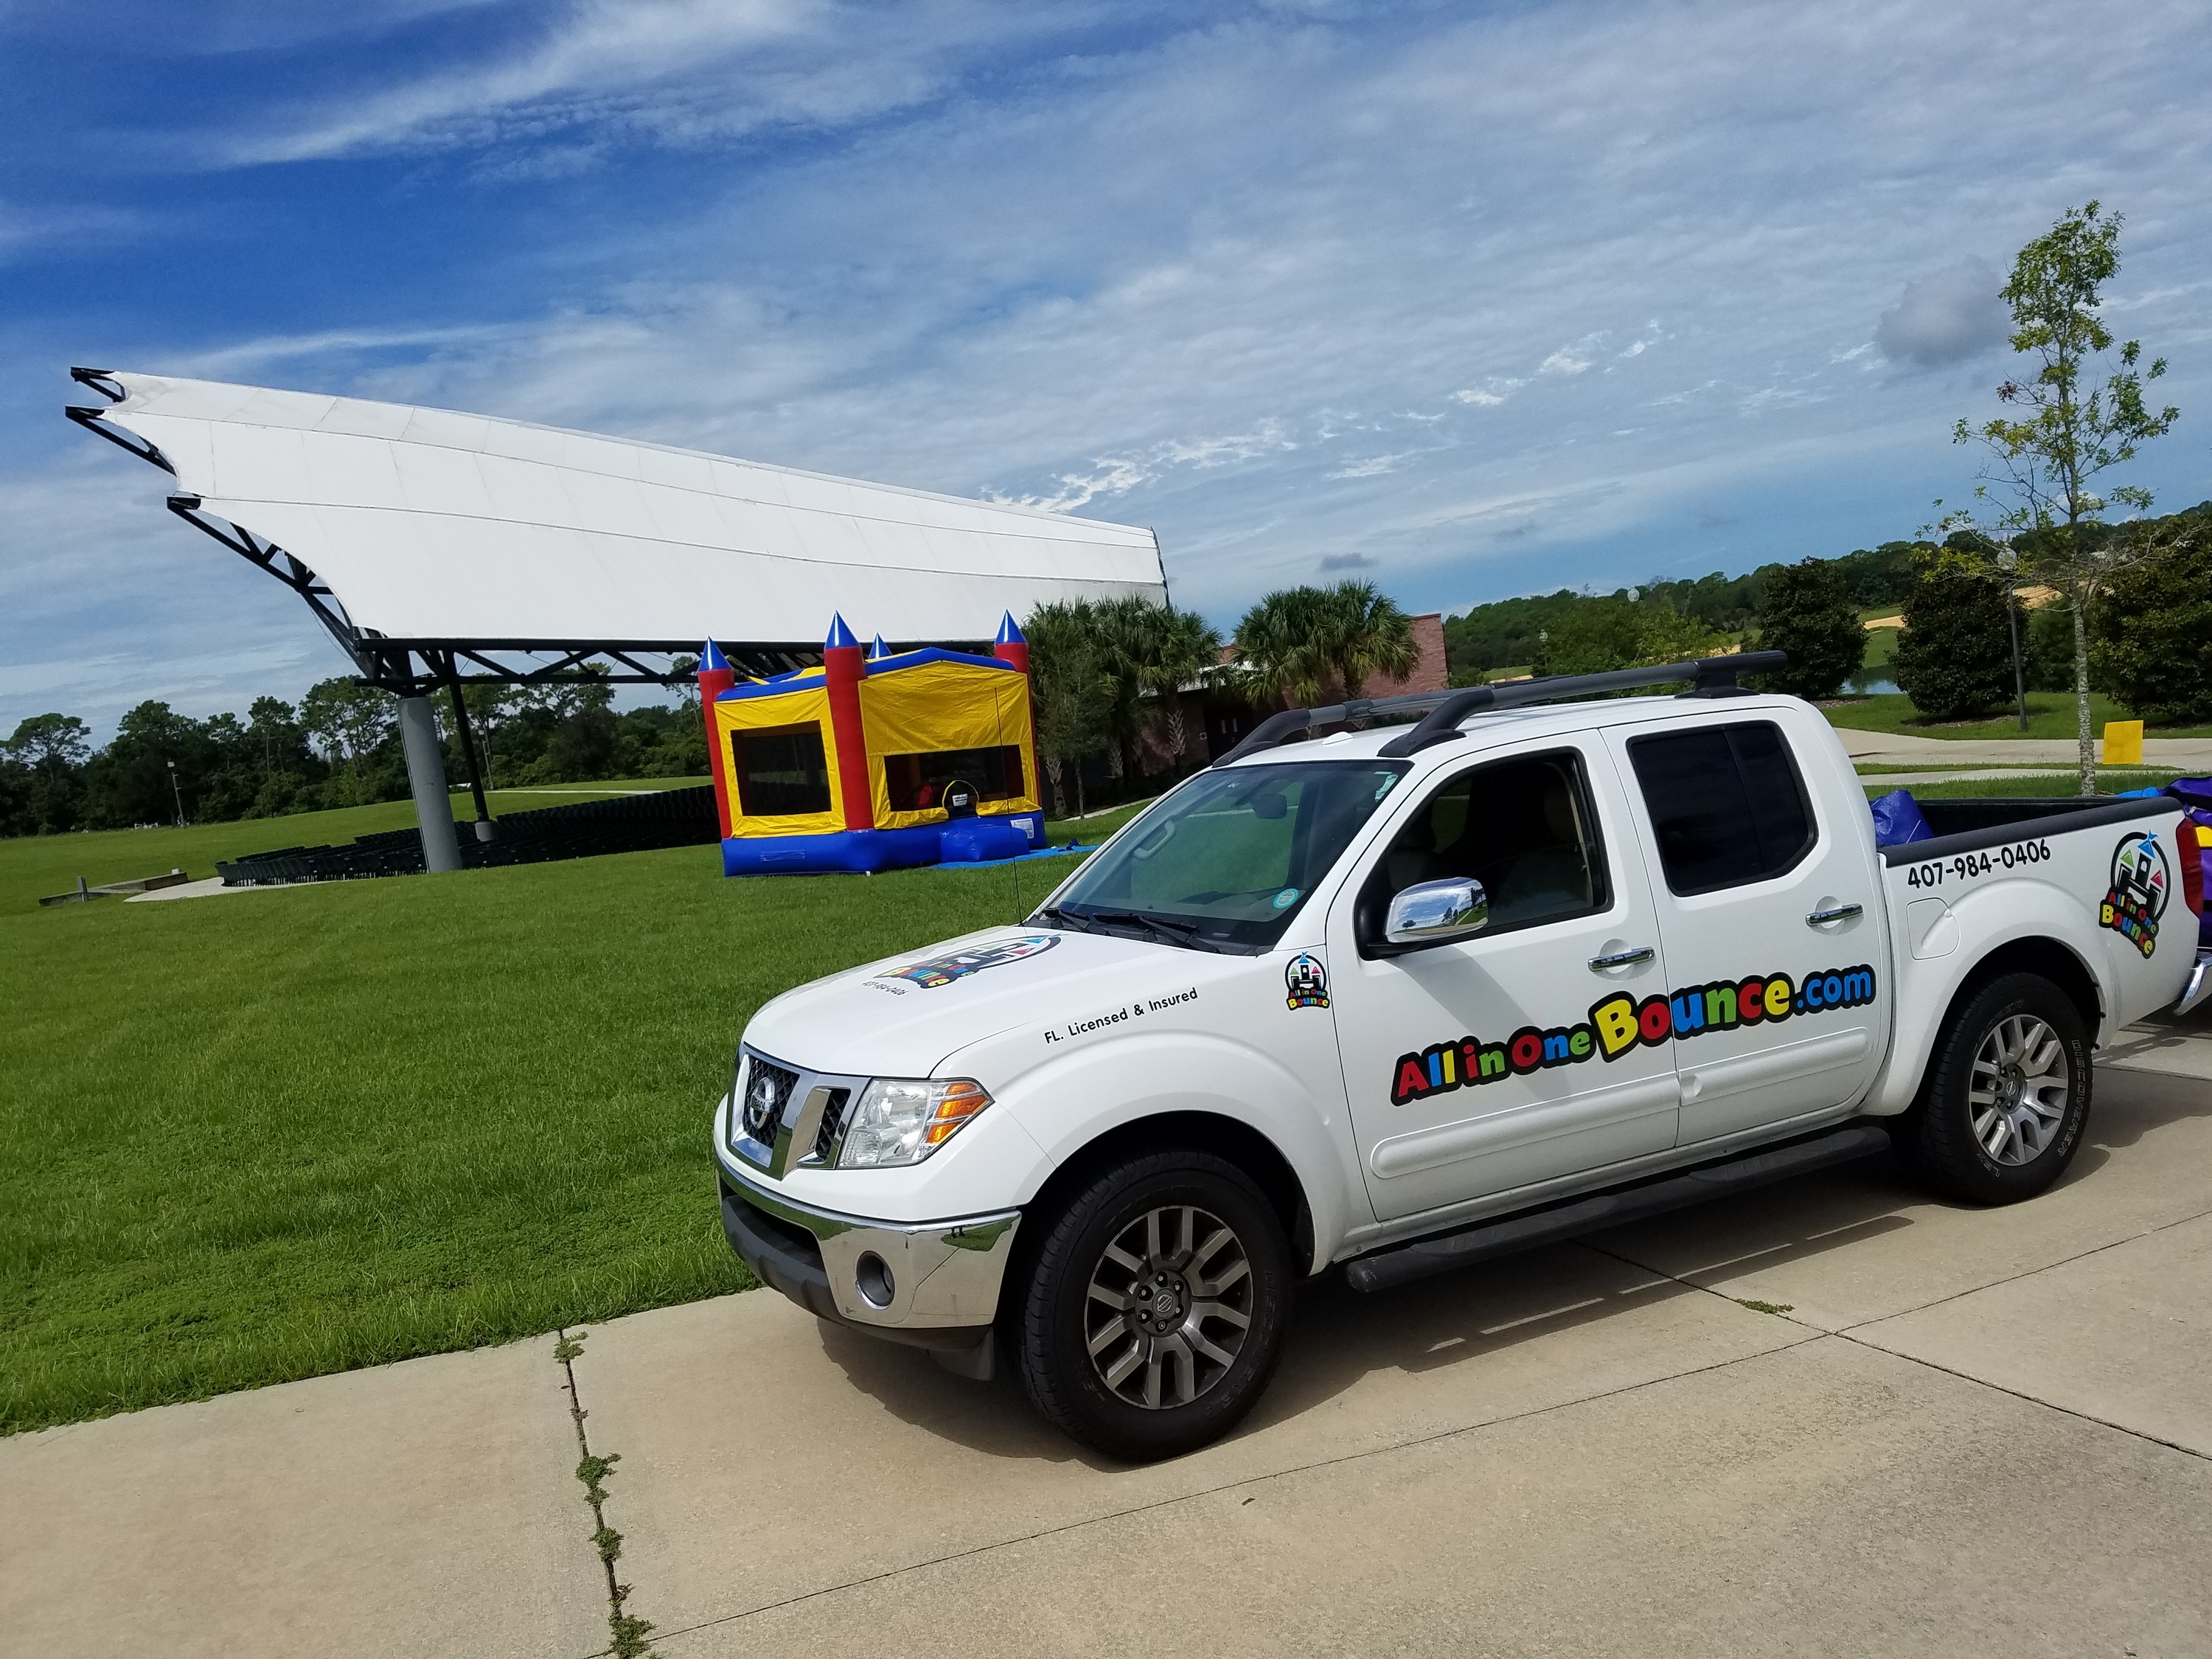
455	538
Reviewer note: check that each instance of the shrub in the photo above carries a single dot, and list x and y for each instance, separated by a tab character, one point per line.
1954	656
2150	634
1806	609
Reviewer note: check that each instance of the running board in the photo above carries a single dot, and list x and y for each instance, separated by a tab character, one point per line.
1493	1239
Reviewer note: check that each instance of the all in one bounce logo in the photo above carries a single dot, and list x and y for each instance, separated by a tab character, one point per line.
1305	982
2136	898
943	970
1621	1022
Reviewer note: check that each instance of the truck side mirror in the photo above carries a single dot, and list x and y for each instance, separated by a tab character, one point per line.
1437	913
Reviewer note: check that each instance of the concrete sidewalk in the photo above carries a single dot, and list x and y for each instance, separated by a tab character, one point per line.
1960	1432
1908	749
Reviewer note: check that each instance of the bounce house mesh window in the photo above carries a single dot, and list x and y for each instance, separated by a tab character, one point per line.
781	772
916	782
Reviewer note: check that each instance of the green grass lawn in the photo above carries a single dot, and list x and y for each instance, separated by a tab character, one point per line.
292	1131
2049	715
2108	783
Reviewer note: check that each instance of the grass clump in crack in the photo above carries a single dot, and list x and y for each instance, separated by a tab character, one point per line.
626	1631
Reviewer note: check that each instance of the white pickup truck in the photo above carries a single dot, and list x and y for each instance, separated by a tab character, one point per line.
1395	1000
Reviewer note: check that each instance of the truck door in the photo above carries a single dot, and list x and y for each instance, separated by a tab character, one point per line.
1471	1066
1779	1000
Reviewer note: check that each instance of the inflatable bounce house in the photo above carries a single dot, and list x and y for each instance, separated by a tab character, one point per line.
874	761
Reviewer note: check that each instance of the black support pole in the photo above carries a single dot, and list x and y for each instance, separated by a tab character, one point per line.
467	734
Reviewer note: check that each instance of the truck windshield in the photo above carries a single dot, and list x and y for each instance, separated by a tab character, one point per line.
1228	860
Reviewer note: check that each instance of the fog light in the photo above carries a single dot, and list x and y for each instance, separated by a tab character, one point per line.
871	1277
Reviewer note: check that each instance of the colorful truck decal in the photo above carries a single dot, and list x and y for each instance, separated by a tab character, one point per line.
1621	1022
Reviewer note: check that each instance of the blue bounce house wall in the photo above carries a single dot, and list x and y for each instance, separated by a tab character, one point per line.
965	840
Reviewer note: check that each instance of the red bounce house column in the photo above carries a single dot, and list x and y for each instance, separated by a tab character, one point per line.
1012	647
716	677
843	669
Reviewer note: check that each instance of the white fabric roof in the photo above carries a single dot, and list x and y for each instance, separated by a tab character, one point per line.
429	525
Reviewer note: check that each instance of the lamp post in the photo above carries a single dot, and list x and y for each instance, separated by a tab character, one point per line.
177	789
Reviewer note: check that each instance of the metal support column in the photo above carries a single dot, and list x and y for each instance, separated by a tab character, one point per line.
465	734
425	775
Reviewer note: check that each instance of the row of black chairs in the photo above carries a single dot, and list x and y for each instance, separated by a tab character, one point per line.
623	823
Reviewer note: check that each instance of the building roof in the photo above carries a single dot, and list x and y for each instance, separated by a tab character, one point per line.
430	525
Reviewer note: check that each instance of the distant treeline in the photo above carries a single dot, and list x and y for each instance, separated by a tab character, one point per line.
1509	633
339	747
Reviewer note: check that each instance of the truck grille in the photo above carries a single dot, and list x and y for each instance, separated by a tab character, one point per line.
768	1091
833	1123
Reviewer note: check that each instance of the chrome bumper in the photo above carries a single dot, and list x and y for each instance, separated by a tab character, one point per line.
933	1284
2199	985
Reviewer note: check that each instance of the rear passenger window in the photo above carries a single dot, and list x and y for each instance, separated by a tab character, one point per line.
1725	803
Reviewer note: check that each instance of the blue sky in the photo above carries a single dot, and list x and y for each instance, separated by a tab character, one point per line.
1472	300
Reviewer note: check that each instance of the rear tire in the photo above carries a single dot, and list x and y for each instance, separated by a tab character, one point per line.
2006	1096
1152	1316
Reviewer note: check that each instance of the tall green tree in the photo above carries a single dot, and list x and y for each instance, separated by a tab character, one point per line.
1806	609
1074	690
2062	429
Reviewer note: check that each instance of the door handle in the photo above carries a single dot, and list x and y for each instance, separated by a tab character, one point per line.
1622	959
1838	913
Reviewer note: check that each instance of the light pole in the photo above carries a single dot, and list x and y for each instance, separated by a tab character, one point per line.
177	789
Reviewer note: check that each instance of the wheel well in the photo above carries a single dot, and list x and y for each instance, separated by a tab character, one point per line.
2047	957
1225	1137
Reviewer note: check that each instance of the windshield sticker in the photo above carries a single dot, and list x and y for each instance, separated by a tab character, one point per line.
1307	981
1622	1023
1287	898
958	964
2136	898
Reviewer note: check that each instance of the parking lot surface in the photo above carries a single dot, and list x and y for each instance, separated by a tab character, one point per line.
1828	1416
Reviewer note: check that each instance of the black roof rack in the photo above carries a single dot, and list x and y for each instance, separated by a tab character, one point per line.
1442	711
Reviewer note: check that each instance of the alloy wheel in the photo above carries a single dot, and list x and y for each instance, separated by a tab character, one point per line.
1168	1307
2016	1099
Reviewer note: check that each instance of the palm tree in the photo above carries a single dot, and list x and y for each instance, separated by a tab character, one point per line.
1179	646
1298	639
1282	643
1365	632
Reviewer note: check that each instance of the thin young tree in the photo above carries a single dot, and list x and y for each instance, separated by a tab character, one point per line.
2065	430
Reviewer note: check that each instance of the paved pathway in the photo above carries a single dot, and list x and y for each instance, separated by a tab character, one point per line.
1966	1433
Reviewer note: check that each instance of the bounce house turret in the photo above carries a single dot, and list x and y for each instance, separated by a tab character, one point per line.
878	650
843	668
716	677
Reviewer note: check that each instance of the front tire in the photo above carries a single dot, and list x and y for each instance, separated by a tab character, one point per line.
2006	1098
1154	1309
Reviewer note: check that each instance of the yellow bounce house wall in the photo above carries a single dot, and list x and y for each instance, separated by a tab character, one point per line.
937	708
808	706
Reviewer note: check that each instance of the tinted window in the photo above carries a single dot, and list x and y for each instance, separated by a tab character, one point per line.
1523	830
781	772
1725	803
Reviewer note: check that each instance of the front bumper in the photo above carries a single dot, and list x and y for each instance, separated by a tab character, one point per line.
930	1285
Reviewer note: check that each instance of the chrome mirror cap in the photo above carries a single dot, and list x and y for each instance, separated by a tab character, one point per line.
1435	912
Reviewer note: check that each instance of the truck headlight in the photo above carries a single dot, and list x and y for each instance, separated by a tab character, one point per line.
904	1119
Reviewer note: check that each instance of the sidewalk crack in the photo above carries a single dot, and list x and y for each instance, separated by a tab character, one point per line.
626	1631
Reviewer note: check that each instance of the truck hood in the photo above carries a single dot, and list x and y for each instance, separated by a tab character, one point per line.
901	1016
